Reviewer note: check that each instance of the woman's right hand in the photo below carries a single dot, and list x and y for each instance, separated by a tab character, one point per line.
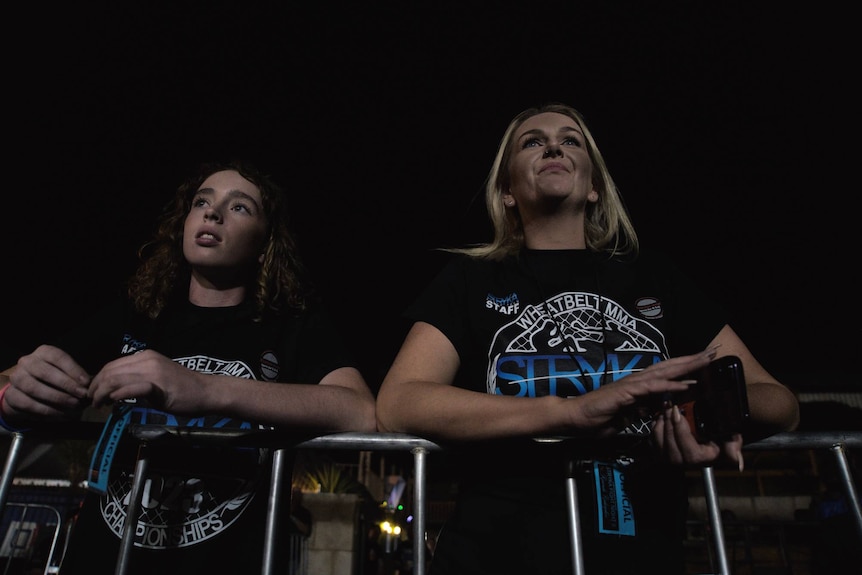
46	383
605	409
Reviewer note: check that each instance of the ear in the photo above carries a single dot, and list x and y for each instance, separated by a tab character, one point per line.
593	196
508	199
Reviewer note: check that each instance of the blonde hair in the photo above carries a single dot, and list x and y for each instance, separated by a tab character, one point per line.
607	225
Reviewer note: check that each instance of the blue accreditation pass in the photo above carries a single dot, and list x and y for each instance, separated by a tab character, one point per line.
103	455
614	513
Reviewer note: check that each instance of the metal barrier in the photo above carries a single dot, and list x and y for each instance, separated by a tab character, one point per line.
150	435
836	442
19	538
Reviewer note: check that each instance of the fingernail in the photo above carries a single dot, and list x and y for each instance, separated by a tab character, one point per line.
676	415
741	462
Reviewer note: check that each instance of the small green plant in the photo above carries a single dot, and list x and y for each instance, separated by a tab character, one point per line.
317	474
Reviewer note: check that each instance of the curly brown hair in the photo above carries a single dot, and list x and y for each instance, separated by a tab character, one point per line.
280	282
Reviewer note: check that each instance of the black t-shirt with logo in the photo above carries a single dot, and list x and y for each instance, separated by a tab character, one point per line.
563	323
204	506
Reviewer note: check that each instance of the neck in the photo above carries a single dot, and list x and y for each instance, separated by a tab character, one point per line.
555	232
206	294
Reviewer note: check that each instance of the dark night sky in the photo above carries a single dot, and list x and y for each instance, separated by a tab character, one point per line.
727	128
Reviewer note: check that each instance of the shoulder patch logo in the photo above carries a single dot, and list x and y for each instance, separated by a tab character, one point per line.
649	307
269	366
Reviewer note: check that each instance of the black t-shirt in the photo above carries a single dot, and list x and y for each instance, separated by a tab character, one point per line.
561	323
203	508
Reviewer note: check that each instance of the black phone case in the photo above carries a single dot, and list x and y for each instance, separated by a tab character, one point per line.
719	407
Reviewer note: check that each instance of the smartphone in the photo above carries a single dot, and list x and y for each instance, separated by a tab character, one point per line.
716	406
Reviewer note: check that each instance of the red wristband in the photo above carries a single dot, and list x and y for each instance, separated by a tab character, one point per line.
3	423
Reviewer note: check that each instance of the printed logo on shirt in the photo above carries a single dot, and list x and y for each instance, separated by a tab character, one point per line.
507	305
204	364
177	509
569	345
132	345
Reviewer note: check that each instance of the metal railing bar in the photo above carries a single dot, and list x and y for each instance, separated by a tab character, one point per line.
837	441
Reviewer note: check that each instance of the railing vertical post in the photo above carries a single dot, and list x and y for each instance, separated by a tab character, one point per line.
133	511
273	505
841	457
715	520
419	456
10	467
574	518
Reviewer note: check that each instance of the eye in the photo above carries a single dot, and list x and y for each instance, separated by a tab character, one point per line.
198	201
531	142
572	141
241	207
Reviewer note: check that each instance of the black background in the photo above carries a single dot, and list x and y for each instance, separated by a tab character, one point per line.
729	127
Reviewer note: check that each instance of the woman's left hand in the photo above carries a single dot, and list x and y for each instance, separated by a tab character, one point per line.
673	437
149	375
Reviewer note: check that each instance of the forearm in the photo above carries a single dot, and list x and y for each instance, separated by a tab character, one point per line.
327	408
440	411
773	408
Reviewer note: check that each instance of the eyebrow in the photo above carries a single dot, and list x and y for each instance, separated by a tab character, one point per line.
538	132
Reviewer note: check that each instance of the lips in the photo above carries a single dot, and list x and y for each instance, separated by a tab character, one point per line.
554	166
207	238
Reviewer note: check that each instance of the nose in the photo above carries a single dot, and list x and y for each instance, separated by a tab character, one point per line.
553	150
212	214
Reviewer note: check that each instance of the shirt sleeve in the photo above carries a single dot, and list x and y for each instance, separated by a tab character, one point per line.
697	317
98	339
320	347
443	303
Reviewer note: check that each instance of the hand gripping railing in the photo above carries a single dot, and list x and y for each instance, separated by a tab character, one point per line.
148	435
